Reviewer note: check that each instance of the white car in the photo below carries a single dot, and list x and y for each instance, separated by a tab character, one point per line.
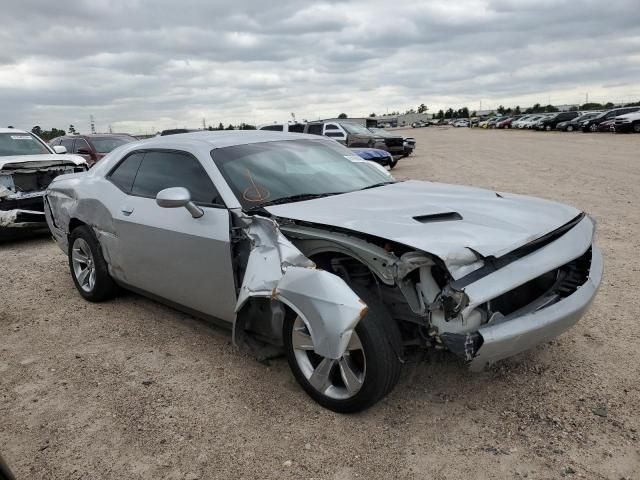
27	167
461	123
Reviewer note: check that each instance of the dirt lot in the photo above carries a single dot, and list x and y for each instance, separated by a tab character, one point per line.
131	389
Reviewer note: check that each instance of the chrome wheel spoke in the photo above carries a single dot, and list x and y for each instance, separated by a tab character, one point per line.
321	376
300	339
352	380
82	277
79	256
354	343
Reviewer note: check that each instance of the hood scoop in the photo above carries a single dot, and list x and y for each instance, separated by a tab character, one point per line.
438	217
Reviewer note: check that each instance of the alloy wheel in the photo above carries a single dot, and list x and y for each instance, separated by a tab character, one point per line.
83	265
338	379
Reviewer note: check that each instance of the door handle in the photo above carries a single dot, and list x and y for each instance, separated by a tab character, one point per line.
127	210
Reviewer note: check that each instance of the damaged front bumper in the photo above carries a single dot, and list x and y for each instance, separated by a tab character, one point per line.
511	336
22	219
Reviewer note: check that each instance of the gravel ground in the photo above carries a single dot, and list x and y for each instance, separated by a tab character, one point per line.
132	389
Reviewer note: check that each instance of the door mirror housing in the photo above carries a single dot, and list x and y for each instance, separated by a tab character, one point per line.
60	149
175	197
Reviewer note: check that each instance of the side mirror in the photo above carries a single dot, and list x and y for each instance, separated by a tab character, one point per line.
175	197
60	149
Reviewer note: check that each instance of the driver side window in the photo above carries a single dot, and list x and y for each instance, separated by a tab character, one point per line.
162	169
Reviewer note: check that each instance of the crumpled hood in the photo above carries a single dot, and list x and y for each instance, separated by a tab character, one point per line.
414	213
53	159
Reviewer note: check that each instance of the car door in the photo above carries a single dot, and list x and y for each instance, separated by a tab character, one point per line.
165	251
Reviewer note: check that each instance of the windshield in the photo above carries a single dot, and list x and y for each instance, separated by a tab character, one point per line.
106	144
261	173
21	144
355	128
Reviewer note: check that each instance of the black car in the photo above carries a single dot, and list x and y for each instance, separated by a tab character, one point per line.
592	124
551	122
571	125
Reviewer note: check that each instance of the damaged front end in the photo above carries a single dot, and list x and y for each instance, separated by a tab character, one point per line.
492	310
22	189
278	272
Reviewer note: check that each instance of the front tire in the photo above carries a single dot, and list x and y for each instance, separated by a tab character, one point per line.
368	370
88	266
570	128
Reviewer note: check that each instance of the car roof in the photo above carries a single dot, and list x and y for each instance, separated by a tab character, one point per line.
12	130
226	138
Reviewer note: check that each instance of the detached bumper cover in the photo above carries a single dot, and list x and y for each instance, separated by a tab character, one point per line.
513	336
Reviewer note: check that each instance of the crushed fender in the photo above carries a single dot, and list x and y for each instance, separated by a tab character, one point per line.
276	269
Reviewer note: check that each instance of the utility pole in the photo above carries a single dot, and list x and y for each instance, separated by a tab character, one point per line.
110	129
204	123
93	124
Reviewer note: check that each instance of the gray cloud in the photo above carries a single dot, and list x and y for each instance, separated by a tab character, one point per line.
144	64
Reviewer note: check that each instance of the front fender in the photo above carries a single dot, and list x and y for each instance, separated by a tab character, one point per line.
277	269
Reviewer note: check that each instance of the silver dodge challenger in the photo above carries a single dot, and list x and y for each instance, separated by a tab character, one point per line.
297	248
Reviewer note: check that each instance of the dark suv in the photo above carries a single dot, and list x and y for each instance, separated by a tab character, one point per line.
92	147
552	122
592	124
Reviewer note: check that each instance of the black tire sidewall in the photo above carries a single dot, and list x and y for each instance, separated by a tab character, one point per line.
376	333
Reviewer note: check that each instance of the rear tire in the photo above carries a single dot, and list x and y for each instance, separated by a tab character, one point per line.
371	361
88	266
636	127
570	128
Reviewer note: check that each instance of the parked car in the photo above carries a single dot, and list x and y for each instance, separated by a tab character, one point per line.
290	244
408	143
549	123
607	125
381	157
293	127
629	122
530	122
505	123
571	125
27	166
92	147
354	135
461	123
591	125
519	122
419	124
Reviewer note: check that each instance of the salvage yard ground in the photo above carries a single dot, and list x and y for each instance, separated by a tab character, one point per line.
132	389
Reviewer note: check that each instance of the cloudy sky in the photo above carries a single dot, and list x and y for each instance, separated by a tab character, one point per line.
144	65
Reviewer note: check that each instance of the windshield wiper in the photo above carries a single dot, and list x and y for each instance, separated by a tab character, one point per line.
375	185
292	198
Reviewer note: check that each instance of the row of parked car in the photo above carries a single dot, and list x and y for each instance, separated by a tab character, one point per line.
619	120
370	143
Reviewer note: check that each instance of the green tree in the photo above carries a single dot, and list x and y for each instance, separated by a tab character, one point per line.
230	127
220	126
37	130
342	115
440	114
448	113
72	129
516	111
500	110
422	108
246	126
550	109
372	115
